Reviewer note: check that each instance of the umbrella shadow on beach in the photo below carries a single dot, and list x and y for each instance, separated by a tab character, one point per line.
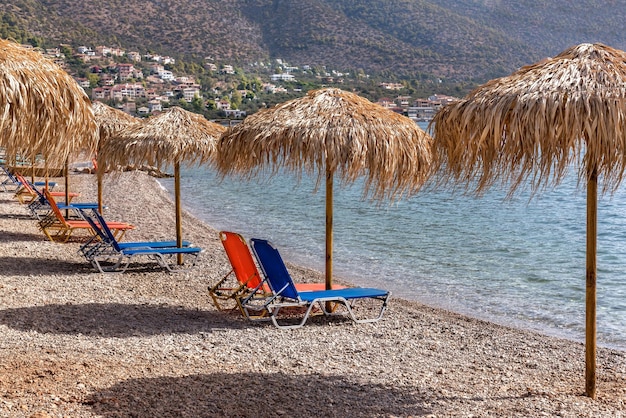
256	395
17	216
6	236
29	266
114	320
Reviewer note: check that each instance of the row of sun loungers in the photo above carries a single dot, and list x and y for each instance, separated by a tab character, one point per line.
270	295
263	293
103	248
10	182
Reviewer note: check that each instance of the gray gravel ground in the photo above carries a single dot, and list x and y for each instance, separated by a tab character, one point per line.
76	343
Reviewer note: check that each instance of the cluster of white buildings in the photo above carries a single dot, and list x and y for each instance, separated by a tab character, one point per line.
125	83
420	110
88	54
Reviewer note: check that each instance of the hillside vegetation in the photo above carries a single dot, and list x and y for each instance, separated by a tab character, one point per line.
450	39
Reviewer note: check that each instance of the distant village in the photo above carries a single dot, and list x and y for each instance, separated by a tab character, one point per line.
142	85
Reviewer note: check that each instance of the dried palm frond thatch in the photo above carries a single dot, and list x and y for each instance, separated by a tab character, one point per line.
567	111
326	132
174	136
331	130
110	120
536	124
42	108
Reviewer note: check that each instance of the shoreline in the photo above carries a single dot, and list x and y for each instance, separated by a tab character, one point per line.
572	330
148	343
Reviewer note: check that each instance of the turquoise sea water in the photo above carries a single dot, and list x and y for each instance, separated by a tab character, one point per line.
518	262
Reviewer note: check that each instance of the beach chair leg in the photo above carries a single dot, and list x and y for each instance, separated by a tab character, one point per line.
384	302
217	294
246	306
173	266
274	314
114	268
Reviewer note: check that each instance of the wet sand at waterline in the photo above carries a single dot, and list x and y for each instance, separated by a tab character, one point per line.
146	343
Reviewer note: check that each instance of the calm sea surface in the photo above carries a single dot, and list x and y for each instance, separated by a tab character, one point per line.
517	262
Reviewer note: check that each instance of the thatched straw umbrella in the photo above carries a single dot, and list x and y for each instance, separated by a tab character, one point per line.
326	132
42	109
565	112
109	121
175	136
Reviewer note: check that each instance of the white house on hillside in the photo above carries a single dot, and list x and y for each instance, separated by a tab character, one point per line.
282	77
166	75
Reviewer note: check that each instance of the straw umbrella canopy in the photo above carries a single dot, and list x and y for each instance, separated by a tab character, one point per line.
326	132
535	125
42	108
175	136
109	121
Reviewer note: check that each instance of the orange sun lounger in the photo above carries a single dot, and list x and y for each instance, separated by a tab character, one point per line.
26	194
58	228
248	279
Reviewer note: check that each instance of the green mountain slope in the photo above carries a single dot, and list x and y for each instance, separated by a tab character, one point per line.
452	39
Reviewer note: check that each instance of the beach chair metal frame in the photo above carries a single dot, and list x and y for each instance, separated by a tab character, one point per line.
247	279
27	192
248	290
11	180
57	228
40	207
285	294
108	255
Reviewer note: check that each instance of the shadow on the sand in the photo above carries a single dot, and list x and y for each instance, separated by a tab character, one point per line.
17	216
115	320
27	266
19	236
256	395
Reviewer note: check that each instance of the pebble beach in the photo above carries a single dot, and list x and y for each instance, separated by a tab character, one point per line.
148	343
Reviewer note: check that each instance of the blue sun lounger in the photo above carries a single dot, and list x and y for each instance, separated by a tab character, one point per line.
285	294
12	181
40	207
107	255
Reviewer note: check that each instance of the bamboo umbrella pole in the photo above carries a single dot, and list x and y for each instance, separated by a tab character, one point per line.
66	173
592	233
99	178
179	221
67	186
45	169
329	228
329	234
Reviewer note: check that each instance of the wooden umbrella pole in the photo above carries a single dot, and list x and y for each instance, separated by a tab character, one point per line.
179	225
45	169
592	233
329	229
99	175
66	173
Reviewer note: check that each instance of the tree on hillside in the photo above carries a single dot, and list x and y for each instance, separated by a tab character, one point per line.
235	99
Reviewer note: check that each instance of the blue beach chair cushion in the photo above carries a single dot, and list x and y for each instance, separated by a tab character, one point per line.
118	255
286	295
